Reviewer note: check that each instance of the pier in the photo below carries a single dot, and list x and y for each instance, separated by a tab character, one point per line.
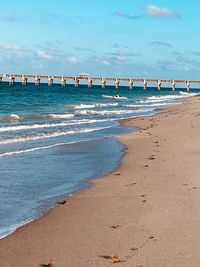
102	81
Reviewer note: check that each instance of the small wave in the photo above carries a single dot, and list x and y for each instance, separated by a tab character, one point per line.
148	105
14	118
17	152
98	105
49	135
81	106
59	116
170	97
47	125
10	118
103	112
7	231
115	97
188	94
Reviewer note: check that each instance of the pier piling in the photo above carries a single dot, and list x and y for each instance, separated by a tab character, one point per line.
130	84
145	85
117	84
173	85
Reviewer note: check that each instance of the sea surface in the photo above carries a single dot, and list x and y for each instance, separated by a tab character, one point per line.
54	140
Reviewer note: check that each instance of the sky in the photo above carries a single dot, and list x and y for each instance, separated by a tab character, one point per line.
117	38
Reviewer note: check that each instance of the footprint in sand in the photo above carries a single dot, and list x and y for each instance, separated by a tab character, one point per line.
194	187
131	184
46	265
152	157
134	249
116	226
151	237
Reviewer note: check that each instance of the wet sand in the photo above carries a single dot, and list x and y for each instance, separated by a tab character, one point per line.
144	214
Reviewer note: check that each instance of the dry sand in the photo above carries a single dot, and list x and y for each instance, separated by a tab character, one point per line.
146	213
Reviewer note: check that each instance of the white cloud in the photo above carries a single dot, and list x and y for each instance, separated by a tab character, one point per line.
43	54
160	43
72	60
12	48
105	62
162	12
120	13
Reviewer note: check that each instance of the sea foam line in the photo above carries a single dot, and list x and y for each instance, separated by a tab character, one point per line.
102	112
45	136
97	105
115	97
48	125
16	152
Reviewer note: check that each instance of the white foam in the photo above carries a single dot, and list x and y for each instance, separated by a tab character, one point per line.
169	97
107	105
5	232
188	94
59	116
108	112
17	152
14	116
47	125
49	135
82	106
115	97
148	105
88	106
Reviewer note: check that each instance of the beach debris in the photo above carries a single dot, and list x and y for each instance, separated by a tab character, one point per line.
115	258
62	202
117	261
117	174
142	195
110	257
144	200
151	237
147	165
116	226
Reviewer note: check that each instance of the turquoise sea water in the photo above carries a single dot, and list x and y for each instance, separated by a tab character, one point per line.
53	140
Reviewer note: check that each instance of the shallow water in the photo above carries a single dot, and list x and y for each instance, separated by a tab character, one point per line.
53	140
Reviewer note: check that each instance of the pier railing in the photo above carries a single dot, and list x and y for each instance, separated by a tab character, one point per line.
130	82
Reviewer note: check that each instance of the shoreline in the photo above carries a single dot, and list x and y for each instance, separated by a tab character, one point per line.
96	192
81	186
89	181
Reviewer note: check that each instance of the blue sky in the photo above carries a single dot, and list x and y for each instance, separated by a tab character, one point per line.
129	38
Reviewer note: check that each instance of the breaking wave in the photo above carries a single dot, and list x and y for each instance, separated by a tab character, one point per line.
48	135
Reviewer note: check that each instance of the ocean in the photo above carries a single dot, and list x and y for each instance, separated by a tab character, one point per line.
54	140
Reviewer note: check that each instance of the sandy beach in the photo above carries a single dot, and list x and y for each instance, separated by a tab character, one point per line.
144	214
